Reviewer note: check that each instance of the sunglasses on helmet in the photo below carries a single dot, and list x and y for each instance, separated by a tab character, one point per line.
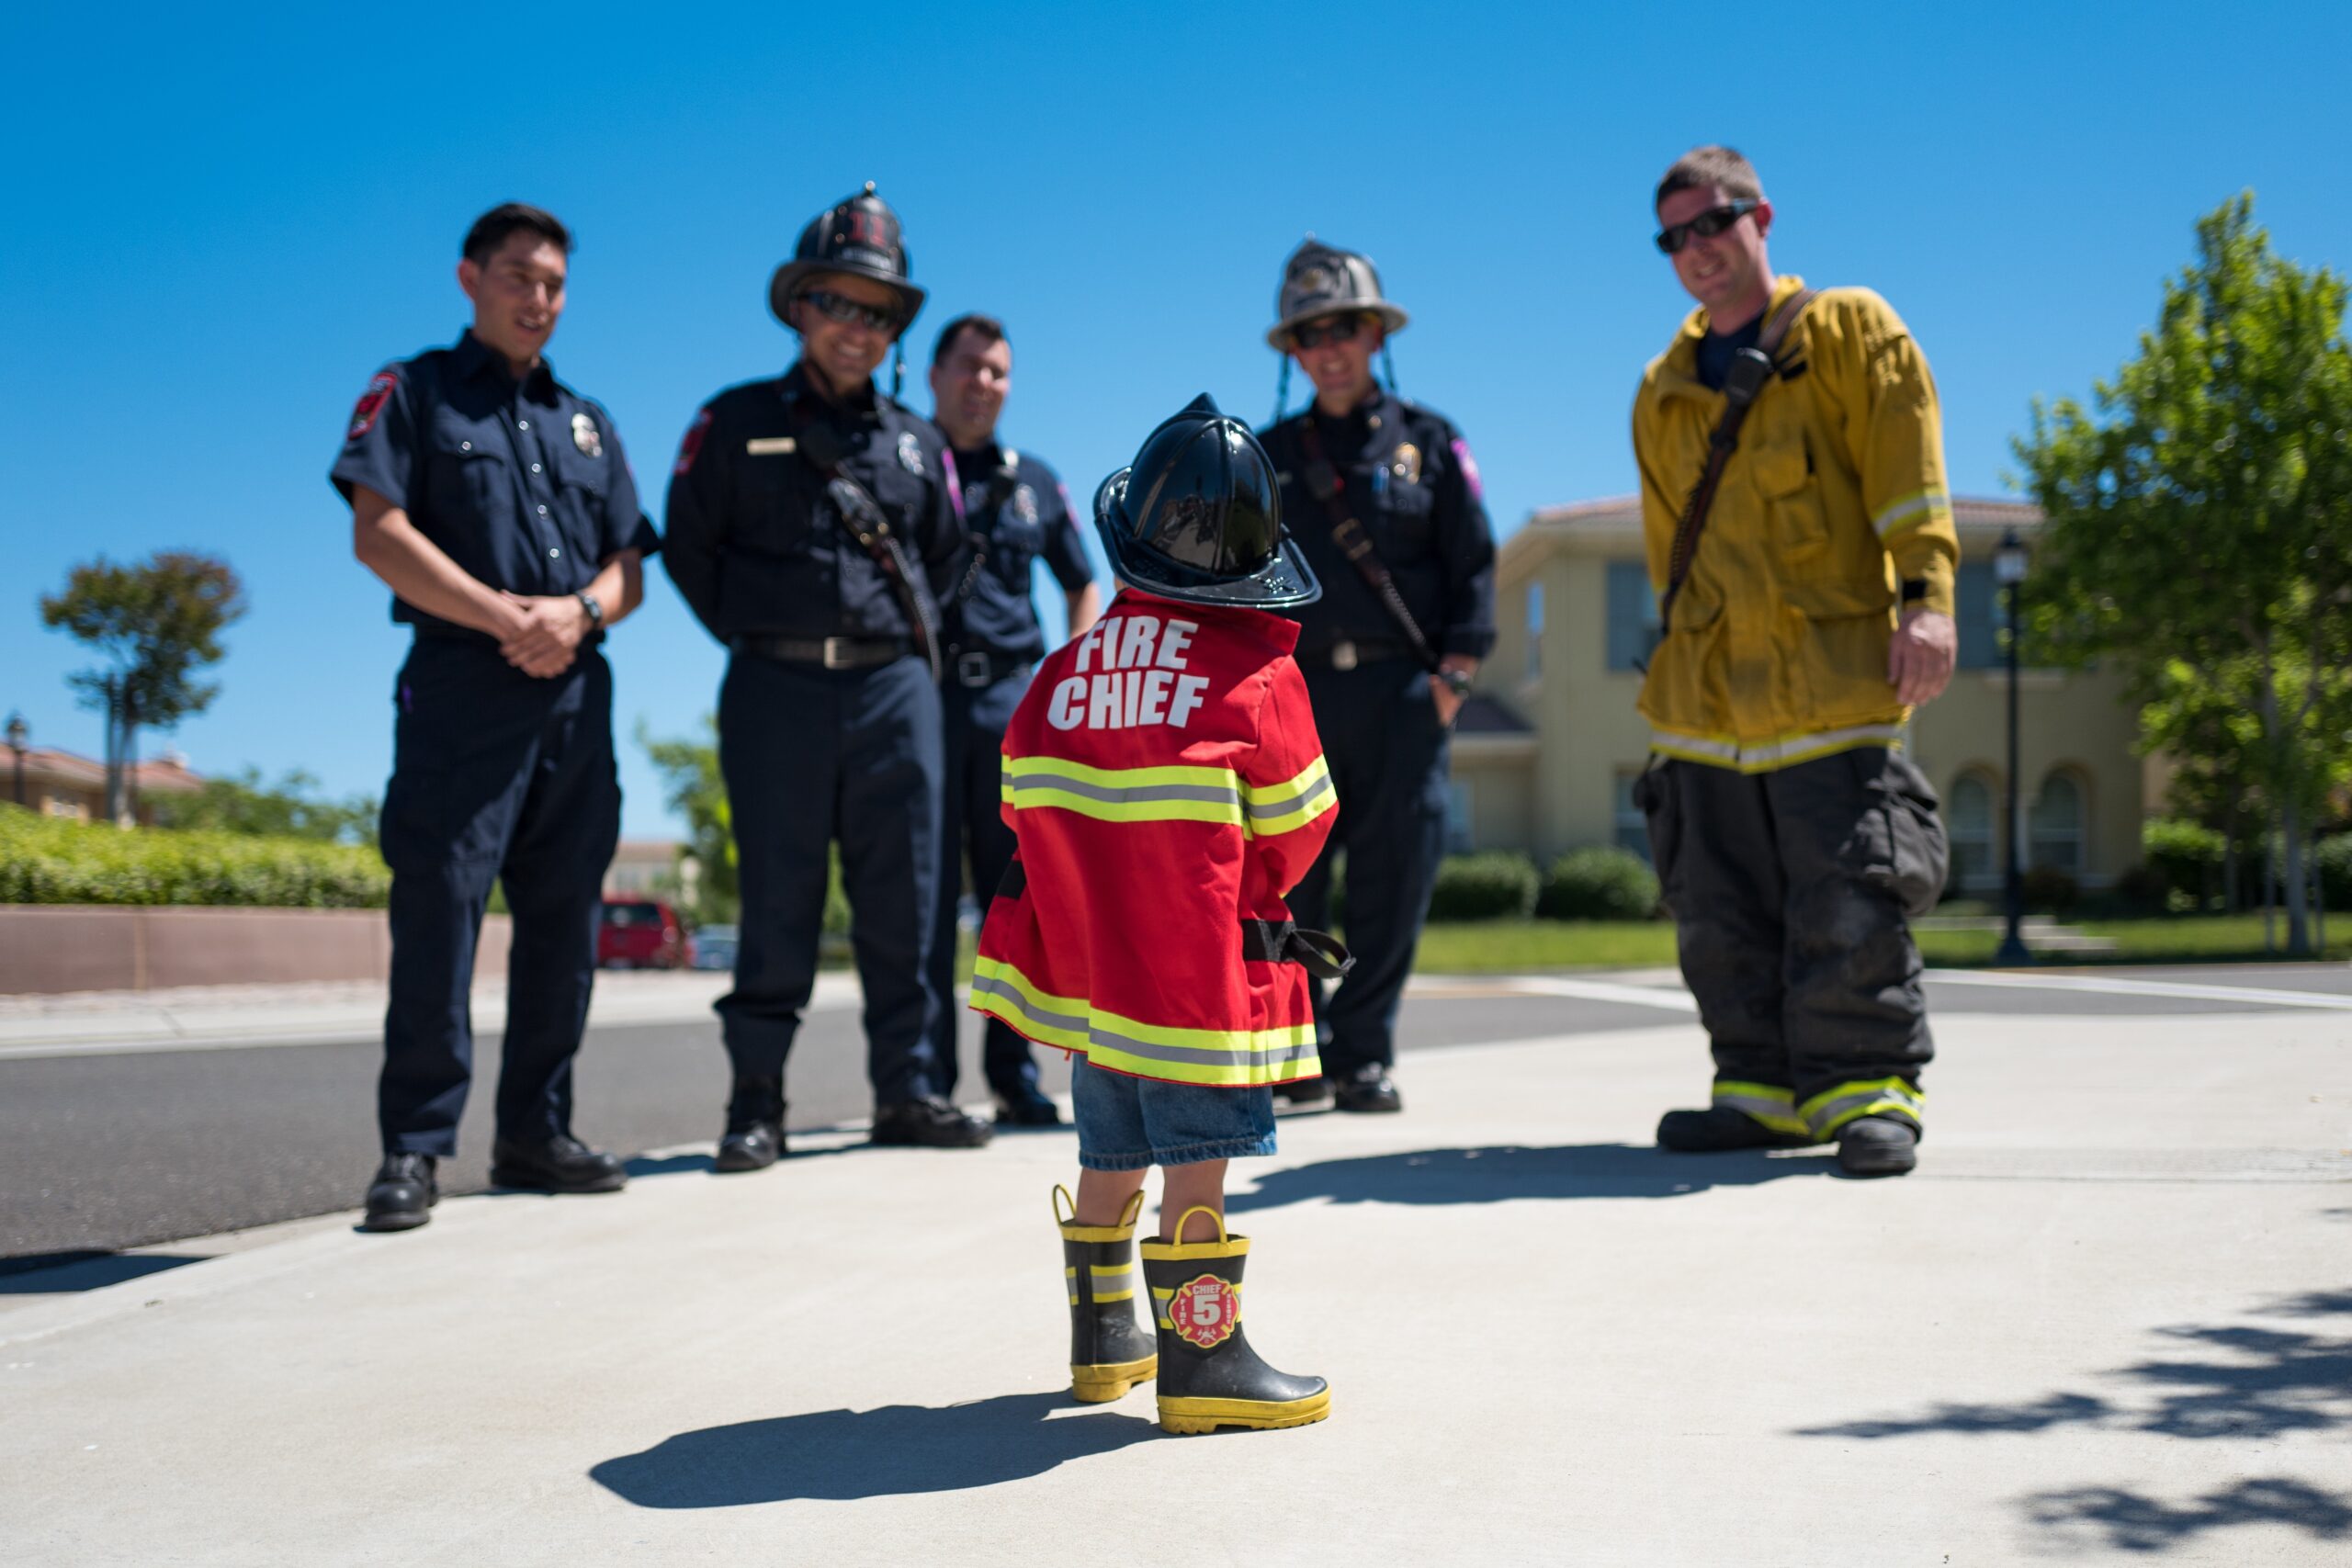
1707	225
851	312
1330	329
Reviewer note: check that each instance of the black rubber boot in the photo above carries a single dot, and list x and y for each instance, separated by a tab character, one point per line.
1877	1145
754	1136
1109	1351
1209	1377
1719	1130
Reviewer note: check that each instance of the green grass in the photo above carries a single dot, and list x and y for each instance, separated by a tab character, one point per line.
1510	947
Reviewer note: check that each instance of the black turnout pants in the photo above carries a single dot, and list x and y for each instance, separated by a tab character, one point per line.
812	758
496	776
1387	755
1790	891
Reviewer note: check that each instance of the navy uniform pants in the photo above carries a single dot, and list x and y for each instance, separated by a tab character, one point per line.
812	758
1387	755
1789	891
496	776
972	824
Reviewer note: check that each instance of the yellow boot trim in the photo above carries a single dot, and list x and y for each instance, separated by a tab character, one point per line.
1189	1415
1225	1246
1072	1231
1098	1384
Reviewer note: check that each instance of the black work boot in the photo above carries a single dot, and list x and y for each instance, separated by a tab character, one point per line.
1026	1105
1208	1375
1877	1145
1306	1094
1109	1351
1719	1130
929	1123
1366	1090
754	1136
560	1164
402	1195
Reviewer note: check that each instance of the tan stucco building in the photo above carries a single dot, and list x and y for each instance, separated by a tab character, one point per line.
1545	762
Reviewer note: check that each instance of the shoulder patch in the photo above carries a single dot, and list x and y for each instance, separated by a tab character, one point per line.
690	445
370	405
1469	469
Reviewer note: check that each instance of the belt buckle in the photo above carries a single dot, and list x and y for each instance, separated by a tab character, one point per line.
973	668
1343	656
836	655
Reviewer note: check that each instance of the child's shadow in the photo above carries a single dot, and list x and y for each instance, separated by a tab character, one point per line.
837	1455
1496	1174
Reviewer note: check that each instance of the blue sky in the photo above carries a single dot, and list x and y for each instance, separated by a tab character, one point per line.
216	229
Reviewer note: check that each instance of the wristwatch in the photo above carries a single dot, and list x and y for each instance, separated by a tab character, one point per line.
1456	680
596	611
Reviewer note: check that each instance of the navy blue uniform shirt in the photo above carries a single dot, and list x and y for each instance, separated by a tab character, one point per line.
1413	485
756	546
1012	526
1716	351
523	484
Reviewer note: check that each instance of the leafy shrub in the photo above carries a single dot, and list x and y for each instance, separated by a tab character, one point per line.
1598	884
2188	855
2051	890
1494	885
47	861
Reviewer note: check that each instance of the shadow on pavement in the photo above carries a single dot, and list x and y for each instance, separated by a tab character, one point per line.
839	1455
2241	1380
1493	1174
54	1273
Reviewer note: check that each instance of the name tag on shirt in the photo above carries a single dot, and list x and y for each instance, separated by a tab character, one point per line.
767	445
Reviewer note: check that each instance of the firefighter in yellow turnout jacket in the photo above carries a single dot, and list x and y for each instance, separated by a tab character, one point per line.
1808	611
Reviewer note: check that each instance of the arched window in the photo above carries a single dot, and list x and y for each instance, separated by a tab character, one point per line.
1968	818
2054	825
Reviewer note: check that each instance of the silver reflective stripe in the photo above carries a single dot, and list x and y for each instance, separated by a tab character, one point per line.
1147	1050
1313	792
1766	1110
1921	503
1132	794
1822	1115
1113	1282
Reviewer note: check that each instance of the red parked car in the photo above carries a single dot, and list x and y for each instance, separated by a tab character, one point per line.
642	934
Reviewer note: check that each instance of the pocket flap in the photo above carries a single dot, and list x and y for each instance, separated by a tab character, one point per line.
1829	599
1780	468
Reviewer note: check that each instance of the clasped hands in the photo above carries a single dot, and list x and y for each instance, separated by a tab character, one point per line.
541	635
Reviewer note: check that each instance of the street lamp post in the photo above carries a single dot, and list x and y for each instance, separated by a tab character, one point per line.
19	733
2008	570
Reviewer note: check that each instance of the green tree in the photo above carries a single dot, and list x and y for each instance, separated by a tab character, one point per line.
291	809
694	789
157	623
2200	535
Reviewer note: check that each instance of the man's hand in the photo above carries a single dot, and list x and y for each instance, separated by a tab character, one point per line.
547	633
1448	705
1919	660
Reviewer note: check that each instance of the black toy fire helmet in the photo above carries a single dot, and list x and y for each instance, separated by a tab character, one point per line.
1324	280
1197	516
859	236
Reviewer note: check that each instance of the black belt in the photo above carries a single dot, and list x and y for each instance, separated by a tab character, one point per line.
978	667
1347	655
829	652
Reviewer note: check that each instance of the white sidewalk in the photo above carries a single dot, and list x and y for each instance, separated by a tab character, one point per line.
2110	1318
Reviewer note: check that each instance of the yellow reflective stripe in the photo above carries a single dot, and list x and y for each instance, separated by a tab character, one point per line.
1268	809
1773	1106
1763	756
1907	511
1123	795
1220	1058
1833	1108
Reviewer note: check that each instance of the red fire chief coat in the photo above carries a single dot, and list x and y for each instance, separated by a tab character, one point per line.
1165	782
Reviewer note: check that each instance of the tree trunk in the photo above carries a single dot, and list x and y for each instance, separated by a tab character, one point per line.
2269	897
114	753
2298	882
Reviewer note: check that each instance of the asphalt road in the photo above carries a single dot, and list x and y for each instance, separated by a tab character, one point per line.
100	1151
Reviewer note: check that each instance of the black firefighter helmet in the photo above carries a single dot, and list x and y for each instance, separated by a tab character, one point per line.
1197	516
858	235
1324	280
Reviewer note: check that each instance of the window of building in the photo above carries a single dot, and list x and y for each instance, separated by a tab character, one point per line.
1460	813
2054	825
1968	818
1535	630
1631	829
1632	616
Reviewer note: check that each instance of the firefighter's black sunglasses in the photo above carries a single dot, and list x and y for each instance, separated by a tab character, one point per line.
850	312
1330	329
1707	225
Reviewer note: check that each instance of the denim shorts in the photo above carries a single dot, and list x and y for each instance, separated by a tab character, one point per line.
1126	1124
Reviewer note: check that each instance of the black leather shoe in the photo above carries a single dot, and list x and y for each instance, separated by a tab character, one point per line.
402	1195
754	1136
1877	1145
1368	1088
1720	1129
1027	1106
932	1124
560	1164
1306	1094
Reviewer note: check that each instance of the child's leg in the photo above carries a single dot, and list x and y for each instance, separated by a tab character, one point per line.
1183	1187
1104	1195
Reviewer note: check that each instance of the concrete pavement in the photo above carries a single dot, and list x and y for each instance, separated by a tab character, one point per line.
2110	1318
